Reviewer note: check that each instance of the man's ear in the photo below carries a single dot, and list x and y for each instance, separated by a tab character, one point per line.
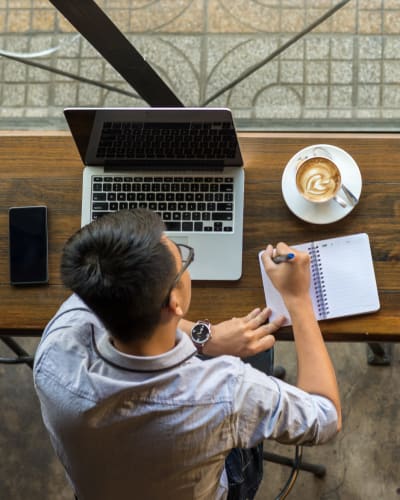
175	303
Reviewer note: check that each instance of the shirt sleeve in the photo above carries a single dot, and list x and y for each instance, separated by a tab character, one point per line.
268	408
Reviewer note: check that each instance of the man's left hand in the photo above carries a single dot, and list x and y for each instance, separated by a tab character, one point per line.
244	336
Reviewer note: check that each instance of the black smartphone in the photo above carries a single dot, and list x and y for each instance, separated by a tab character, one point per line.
28	245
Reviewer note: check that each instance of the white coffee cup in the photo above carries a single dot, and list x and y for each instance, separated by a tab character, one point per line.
318	177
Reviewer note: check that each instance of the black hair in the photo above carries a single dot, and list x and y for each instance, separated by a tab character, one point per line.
121	269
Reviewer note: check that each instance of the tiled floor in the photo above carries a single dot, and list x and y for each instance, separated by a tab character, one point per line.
362	462
342	74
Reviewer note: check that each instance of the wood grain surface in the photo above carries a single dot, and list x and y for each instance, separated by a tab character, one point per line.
45	168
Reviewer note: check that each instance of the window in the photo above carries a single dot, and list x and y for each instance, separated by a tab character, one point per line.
342	75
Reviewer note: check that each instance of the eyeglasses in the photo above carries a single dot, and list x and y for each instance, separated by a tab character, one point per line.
187	256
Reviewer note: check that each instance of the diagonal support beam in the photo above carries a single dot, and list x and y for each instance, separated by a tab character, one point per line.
98	29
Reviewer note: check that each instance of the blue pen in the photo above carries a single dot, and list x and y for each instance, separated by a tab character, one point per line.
283	258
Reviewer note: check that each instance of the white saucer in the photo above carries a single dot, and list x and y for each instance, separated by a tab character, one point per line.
331	211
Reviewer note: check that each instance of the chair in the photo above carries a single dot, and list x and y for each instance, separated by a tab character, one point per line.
22	355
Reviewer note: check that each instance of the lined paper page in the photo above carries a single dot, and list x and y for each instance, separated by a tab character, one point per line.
349	275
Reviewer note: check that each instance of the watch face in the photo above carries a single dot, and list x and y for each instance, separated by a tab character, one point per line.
200	333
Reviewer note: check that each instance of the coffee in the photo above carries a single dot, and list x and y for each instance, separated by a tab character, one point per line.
318	179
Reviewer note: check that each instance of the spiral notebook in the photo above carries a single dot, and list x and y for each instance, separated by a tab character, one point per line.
342	279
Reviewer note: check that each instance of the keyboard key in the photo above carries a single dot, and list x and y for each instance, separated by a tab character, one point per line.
97	215
224	207
228	188
99	196
222	216
100	206
173	226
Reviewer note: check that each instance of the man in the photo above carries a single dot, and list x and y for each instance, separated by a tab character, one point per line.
132	411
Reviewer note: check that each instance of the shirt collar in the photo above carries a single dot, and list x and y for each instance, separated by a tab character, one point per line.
183	350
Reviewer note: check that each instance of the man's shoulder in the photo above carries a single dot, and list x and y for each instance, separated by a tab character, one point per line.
69	330
72	313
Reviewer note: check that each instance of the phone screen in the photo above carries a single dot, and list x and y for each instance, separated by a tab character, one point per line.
28	245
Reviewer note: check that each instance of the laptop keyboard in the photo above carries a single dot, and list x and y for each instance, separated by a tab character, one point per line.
194	204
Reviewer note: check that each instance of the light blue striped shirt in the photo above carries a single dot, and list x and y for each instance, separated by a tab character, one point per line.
158	427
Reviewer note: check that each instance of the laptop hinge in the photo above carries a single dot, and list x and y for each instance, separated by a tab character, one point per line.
166	168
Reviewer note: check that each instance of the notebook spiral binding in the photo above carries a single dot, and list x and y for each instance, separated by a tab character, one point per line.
317	277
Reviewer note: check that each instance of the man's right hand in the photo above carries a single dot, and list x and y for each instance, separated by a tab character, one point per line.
292	278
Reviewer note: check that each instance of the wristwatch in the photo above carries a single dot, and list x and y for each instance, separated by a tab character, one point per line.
201	333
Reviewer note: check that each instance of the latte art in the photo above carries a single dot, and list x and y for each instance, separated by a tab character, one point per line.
318	179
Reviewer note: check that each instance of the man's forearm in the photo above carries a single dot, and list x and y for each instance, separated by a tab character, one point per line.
315	370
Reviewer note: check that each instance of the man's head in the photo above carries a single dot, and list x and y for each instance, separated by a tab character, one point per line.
123	268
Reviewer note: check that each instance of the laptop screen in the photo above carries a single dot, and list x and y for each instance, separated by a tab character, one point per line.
156	137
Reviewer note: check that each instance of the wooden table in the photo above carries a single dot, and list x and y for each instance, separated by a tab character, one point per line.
44	168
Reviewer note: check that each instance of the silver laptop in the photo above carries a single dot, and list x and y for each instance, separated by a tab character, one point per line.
183	163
